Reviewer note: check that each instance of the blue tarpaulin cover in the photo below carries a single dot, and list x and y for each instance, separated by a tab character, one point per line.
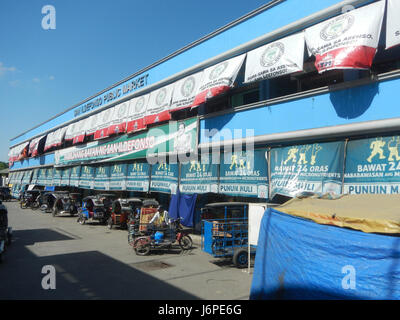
182	205
300	259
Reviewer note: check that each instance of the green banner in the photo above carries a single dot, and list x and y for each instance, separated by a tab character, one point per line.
86	180
164	178
138	175
42	179
118	176
74	177
57	175
49	177
66	173
171	138
35	176
102	178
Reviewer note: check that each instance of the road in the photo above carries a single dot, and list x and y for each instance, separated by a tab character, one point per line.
93	262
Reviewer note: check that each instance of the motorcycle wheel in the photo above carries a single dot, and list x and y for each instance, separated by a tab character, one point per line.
141	249
23	205
54	212
81	220
186	242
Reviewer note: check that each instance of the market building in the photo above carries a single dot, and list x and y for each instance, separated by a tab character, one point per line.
293	98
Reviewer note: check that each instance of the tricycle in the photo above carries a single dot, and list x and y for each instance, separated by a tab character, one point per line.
122	210
67	203
162	238
95	208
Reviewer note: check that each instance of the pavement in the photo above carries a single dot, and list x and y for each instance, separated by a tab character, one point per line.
93	262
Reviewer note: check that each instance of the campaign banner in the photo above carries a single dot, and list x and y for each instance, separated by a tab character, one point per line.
315	168
27	177
65	176
159	105
185	91
75	175
49	177
102	177
393	23
164	177
86	179
49	141
244	174
58	137
92	124
348	41
118	176
69	133
275	59
218	79
57	175
103	121
174	137
138	177
137	113
118	120
33	146
199	177
80	131
373	166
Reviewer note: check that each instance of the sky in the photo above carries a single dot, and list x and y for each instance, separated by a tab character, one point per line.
94	45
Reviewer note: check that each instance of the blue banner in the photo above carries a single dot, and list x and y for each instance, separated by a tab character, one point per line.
199	177
118	176
316	168
66	173
74	176
164	178
373	166
102	178
86	180
244	174
137	178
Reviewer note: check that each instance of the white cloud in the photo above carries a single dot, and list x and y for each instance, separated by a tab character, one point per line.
51	78
4	69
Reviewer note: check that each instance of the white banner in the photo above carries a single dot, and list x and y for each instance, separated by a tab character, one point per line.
69	133
159	105
103	122
348	41
393	23
185	91
275	59
137	113
49	141
33	146
79	132
92	124
118	120
218	79
59	136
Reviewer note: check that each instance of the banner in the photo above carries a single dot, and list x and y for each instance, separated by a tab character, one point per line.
185	91
58	137
69	133
42	179
57	176
315	168
66	173
80	131
244	174
199	177
159	105
164	178
118	176
49	177
33	146
218	79
102	177
373	166
75	174
92	124
393	23
35	176
49	141
103	122
118	120
275	59
137	113
348	41
174	137
138	177
86	179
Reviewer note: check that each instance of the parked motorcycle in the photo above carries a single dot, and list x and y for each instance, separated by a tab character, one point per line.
5	231
28	198
163	239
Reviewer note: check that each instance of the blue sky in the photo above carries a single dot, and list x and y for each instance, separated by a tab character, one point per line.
95	44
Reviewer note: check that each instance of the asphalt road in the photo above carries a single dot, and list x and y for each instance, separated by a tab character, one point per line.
93	262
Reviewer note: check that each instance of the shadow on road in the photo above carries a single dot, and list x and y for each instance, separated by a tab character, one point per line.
83	275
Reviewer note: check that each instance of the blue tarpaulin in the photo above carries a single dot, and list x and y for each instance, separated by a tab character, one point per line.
182	205
300	259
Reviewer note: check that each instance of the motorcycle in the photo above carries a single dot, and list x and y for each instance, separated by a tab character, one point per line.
5	231
28	198
162	239
122	210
